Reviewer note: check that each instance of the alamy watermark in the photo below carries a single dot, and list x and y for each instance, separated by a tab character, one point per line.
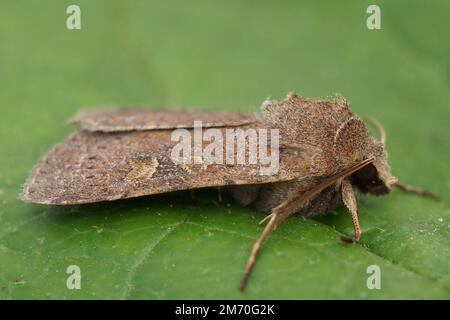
374	280
73	21
230	146
74	280
374	20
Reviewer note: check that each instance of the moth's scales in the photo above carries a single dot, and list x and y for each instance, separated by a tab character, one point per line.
124	153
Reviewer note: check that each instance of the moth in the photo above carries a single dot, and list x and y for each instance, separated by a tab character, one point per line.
325	153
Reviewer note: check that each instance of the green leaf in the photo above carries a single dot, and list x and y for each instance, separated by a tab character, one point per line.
224	56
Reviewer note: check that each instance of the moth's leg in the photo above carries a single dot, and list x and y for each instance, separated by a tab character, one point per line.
265	218
275	220
295	202
278	215
349	199
416	190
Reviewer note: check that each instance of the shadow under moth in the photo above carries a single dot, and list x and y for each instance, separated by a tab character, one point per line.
325	151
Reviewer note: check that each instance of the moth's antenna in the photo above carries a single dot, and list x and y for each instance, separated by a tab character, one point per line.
416	190
402	186
379	127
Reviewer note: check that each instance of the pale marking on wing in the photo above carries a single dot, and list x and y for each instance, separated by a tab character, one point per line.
142	169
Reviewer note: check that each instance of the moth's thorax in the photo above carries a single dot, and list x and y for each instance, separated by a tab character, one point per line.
331	137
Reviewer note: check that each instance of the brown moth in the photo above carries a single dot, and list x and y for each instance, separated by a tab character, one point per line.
325	153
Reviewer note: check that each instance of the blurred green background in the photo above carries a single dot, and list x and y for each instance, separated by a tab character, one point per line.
224	55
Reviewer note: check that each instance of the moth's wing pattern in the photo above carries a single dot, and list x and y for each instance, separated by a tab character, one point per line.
122	119
100	166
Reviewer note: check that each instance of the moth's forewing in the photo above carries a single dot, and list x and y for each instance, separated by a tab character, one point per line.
122	153
96	166
116	119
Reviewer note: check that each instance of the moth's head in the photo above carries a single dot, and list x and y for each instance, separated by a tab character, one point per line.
376	177
352	144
